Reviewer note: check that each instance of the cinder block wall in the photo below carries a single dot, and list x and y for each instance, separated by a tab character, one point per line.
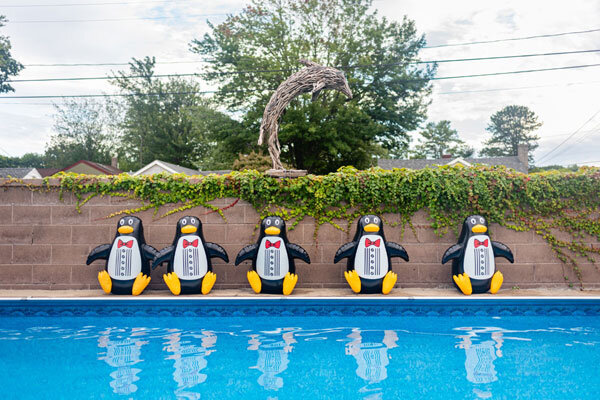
44	243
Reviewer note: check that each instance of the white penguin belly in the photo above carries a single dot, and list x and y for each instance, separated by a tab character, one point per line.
190	261
272	262
371	262
124	260
479	258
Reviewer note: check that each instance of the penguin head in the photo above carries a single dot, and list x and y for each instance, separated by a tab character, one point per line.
475	224
189	225
369	225
273	226
129	225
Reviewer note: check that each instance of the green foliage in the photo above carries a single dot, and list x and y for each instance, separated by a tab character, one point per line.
554	205
439	139
81	128
272	35
510	127
255	160
33	160
8	65
562	168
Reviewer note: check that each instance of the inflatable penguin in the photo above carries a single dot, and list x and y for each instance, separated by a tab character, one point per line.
273	269
128	259
189	269
370	258
473	267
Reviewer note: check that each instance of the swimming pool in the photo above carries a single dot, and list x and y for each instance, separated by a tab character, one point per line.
292	348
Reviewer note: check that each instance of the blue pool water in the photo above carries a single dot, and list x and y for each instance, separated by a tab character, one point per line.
300	349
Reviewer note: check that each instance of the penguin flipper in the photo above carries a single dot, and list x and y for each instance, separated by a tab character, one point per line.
452	252
162	256
346	250
99	253
296	251
246	253
502	250
396	250
214	250
149	252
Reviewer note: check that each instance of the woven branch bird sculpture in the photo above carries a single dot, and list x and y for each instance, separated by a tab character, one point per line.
313	78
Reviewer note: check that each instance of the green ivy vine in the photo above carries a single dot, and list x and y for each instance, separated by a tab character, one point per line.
546	203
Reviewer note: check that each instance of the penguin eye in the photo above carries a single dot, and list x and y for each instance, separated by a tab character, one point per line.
183	221
481	220
375	220
367	220
121	222
130	222
276	222
268	222
192	221
473	221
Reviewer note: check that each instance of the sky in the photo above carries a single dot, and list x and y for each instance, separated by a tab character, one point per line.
566	101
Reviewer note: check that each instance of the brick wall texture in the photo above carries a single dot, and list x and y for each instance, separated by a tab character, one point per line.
44	243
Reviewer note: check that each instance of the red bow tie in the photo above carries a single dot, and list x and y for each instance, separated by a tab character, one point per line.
375	243
193	244
478	243
269	244
126	244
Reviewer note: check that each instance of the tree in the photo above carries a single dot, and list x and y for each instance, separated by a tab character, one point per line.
8	65
510	127
81	128
253	52
163	119
34	160
439	139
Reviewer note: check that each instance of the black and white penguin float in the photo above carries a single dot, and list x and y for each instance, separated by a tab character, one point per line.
473	266
273	270
189	269
370	258
128	259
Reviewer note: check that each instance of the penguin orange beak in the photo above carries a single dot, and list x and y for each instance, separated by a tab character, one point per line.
188	229
272	230
371	228
479	229
125	230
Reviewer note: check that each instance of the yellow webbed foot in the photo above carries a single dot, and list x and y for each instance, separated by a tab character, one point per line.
172	281
208	282
497	280
353	280
388	282
464	283
289	283
255	281
140	283
105	281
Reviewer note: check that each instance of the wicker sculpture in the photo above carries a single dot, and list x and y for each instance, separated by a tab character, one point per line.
313	78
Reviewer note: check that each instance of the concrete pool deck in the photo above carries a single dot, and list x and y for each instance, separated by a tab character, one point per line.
304	292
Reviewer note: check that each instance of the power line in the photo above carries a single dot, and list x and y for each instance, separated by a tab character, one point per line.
569	146
109	64
112	3
512	39
123	94
286	70
113	19
517	88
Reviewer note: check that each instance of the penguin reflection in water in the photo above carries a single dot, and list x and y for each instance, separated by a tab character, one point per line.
273	350
189	268
370	350
128	259
370	258
273	270
473	265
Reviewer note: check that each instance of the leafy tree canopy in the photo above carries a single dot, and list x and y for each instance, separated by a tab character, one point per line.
33	160
438	139
8	65
510	127
269	37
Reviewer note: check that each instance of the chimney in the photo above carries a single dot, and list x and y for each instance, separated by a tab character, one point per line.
446	156
114	162
523	154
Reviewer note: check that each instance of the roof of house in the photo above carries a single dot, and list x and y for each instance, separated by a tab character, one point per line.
508	161
172	168
105	169
19	173
44	172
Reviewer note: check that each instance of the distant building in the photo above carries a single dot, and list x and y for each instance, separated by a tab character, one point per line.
44	172
20	173
519	162
92	168
157	167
